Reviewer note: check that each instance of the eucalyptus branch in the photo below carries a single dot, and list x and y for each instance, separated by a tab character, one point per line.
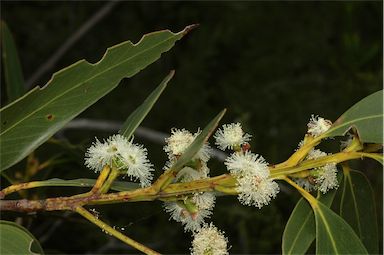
309	143
223	183
144	194
334	158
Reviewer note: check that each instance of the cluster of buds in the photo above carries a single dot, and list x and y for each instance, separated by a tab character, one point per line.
117	152
318	125
192	211
322	178
209	240
254	185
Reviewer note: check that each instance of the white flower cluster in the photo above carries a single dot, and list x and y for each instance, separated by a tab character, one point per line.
255	186
180	140
252	174
192	218
326	178
118	152
231	136
191	211
318	125
321	178
209	240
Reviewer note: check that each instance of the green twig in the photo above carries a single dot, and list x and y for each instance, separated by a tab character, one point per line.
334	158
311	199
108	229
108	182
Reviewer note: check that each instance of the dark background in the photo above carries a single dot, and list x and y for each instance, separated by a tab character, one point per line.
271	64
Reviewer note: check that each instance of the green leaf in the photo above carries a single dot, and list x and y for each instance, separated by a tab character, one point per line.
300	230
12	69
55	182
366	116
124	186
134	120
357	207
199	141
333	234
15	239
33	118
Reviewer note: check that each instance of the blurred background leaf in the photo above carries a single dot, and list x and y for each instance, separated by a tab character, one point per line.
11	65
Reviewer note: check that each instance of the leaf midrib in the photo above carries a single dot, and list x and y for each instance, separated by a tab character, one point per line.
79	84
300	230
328	229
355	204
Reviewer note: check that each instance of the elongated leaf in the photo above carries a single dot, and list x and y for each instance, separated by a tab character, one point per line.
12	69
199	141
134	120
55	182
357	207
15	239
334	235
300	231
32	119
366	116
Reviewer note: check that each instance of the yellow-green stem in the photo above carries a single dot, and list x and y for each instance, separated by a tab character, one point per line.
111	178
35	184
173	190
101	179
301	153
12	182
163	180
312	200
108	229
334	158
227	190
105	173
302	174
355	145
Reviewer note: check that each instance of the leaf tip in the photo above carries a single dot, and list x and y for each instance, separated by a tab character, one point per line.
187	29
222	113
